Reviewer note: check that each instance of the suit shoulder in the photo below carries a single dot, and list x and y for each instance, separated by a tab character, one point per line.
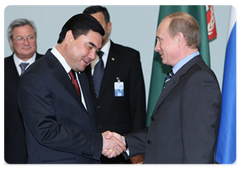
8	59
201	71
204	68
38	66
39	55
195	65
9	64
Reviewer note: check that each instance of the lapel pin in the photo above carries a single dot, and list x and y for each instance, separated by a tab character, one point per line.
113	59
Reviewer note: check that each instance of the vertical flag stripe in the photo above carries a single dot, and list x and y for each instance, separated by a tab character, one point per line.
226	144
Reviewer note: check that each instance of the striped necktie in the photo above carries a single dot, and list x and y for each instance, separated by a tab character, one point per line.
167	79
74	82
23	67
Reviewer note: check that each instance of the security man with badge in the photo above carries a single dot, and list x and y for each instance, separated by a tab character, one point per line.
117	86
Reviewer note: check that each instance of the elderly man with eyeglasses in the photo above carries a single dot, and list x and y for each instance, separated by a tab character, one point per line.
22	38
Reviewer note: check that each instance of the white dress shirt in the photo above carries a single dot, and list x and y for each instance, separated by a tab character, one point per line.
18	61
67	68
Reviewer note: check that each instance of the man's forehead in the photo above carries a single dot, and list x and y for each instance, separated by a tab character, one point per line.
163	26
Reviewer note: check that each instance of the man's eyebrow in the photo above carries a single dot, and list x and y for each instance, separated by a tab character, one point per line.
92	44
159	38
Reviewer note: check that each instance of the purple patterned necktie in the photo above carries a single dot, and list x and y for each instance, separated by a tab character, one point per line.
98	74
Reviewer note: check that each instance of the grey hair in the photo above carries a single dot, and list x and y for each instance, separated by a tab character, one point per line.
18	23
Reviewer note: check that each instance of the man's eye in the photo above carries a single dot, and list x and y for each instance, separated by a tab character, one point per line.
30	37
160	41
90	47
19	38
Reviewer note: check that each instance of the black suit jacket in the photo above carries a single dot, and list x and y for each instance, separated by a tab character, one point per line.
14	134
58	127
120	114
184	124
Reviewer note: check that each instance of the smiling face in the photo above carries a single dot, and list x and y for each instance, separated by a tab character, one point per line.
26	49
166	46
80	52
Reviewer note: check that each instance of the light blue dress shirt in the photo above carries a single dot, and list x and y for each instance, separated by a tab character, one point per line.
184	61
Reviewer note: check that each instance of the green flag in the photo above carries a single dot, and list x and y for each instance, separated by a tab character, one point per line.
160	70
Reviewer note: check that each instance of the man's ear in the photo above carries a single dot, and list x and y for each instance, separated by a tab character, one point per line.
69	37
109	27
180	38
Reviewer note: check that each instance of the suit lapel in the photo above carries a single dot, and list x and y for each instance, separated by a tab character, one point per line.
90	80
86	92
175	80
170	86
11	70
61	76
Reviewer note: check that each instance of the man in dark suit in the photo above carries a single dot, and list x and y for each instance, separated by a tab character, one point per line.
125	113
184	123
22	38
55	99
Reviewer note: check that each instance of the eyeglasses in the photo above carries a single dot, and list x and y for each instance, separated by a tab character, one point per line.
21	39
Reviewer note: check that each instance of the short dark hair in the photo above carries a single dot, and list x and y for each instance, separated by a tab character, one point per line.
80	24
94	9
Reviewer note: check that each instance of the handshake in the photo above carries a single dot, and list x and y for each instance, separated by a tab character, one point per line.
113	144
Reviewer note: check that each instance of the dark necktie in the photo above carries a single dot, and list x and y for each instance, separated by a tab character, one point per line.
167	79
98	74
23	67
74	82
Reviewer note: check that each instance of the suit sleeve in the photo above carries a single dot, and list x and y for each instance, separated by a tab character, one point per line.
137	95
36	102
200	111
136	143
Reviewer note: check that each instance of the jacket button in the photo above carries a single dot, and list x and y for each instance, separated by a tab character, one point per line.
98	107
152	118
149	142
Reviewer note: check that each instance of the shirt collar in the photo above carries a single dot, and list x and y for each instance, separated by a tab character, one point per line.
105	49
184	61
18	61
61	59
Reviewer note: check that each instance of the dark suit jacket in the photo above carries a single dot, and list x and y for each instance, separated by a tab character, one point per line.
120	114
58	127
184	124
14	134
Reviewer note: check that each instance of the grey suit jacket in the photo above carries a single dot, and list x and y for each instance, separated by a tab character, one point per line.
184	123
58	127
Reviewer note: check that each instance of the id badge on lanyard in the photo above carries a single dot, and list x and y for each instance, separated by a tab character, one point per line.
119	88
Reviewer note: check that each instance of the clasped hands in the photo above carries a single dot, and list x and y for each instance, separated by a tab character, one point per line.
113	144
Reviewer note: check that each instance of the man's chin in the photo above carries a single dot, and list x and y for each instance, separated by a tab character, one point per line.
163	60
